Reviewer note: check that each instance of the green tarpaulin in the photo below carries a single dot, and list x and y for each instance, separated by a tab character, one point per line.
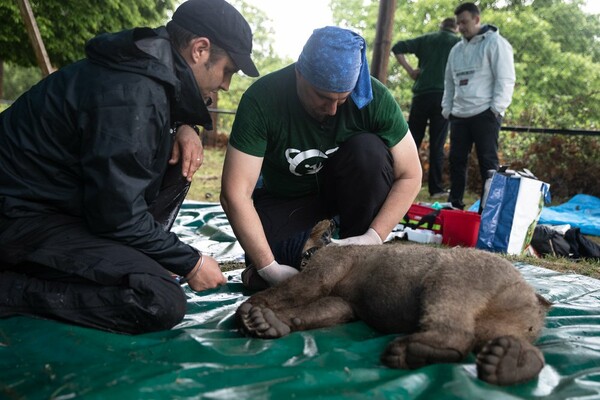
205	357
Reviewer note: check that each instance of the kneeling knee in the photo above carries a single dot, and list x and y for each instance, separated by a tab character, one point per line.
163	306
169	313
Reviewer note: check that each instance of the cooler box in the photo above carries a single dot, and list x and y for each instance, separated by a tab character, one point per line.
416	213
460	228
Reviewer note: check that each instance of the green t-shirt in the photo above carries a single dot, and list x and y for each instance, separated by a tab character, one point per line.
271	123
432	50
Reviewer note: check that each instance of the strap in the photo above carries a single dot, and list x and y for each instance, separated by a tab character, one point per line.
427	221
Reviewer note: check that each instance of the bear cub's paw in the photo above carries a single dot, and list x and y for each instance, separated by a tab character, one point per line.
261	322
507	360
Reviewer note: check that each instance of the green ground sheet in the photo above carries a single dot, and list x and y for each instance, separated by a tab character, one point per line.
204	357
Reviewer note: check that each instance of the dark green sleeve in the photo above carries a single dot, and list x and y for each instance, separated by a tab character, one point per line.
249	130
387	117
410	46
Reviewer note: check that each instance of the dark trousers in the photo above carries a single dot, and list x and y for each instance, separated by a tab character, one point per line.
356	181
482	130
427	108
53	267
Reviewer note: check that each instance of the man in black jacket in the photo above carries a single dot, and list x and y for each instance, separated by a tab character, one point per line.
94	163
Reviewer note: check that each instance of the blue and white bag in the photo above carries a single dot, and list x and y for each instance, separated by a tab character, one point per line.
512	209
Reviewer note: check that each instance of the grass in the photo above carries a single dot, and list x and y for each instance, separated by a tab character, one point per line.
582	267
206	186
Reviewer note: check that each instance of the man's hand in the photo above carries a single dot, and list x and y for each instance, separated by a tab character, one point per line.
370	237
276	273
188	146
414	74
208	276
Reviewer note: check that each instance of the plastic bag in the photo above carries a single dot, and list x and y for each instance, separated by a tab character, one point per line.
512	208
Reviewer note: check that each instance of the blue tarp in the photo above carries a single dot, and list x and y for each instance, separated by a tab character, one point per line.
581	211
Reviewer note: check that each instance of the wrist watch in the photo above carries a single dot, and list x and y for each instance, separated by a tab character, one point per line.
177	125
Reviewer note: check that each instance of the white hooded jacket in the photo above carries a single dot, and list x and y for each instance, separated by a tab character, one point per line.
480	74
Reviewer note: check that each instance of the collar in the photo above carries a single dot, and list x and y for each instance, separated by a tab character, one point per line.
188	106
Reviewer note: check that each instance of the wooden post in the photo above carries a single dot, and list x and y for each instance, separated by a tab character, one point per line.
1	78
383	39
35	37
209	138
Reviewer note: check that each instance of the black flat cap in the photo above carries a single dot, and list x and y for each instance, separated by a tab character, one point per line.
220	22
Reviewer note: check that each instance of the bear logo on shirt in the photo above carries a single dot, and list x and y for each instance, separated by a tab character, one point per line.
307	162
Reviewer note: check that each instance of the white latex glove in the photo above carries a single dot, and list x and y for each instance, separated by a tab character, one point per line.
370	237
276	273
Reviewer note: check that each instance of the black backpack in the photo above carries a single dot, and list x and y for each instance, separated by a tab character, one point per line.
582	247
548	241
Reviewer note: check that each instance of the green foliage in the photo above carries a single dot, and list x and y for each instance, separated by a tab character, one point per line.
65	25
568	17
15	46
568	163
557	60
19	79
263	55
556	86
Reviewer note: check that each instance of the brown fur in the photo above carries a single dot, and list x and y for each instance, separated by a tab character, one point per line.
449	301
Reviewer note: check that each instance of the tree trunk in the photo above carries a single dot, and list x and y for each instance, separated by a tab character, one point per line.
1	78
35	37
383	39
209	138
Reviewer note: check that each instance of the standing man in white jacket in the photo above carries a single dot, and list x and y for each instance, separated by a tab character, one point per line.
479	84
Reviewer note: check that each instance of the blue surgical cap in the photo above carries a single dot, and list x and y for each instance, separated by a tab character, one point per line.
334	60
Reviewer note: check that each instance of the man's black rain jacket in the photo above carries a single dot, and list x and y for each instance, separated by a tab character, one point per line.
93	140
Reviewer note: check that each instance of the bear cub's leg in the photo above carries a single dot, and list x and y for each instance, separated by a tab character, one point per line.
261	321
424	348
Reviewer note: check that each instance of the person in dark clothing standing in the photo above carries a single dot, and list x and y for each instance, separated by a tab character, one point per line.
432	50
95	161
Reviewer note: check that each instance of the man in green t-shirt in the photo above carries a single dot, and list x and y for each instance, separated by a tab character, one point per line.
432	51
318	139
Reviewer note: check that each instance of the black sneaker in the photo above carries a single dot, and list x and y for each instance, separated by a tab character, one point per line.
458	205
439	195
